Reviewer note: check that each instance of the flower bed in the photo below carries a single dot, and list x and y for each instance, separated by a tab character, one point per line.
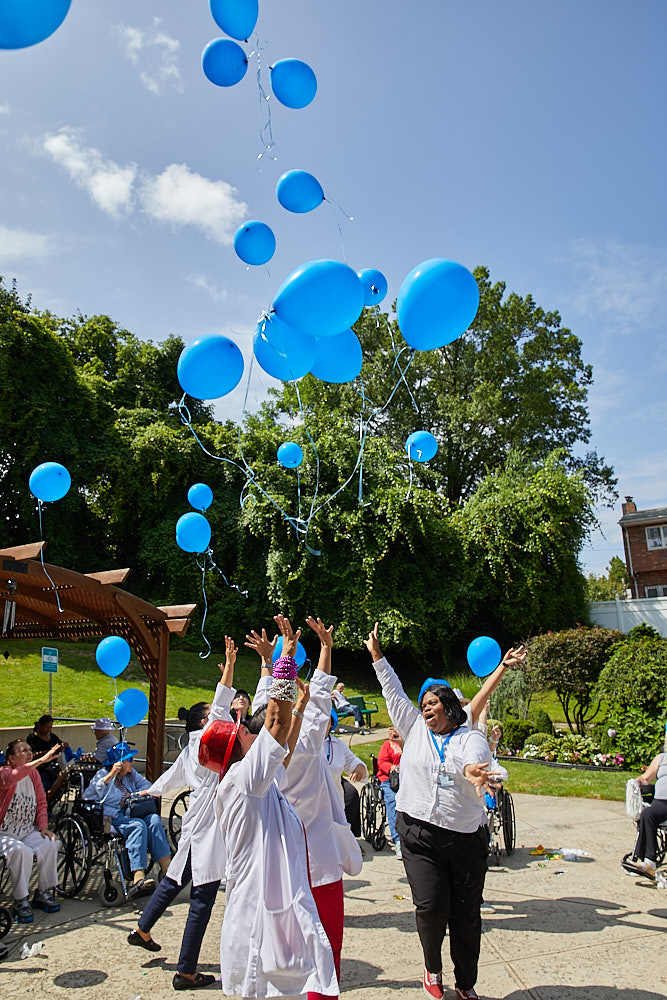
569	749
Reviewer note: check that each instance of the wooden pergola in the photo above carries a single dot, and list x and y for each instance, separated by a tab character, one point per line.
93	606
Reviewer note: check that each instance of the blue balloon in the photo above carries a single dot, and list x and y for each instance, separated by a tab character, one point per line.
374	284
49	481
130	707
27	22
282	351
113	655
193	532
484	655
421	446
338	358
210	367
299	656
321	298
298	191
200	496
293	82
437	302
224	62
235	17
254	242
290	455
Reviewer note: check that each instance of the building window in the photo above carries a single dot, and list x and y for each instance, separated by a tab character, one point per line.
660	590
656	537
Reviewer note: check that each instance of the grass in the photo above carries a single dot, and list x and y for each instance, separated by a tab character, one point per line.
539	780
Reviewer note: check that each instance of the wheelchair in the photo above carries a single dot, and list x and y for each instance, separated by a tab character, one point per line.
502	824
178	809
87	841
6	914
373	811
661	853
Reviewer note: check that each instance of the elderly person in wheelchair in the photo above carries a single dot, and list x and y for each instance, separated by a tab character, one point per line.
119	788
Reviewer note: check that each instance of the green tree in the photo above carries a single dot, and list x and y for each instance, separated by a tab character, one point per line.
614	584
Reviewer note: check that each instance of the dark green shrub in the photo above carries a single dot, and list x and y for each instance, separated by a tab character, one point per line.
542	722
538	739
643	631
638	738
636	677
512	697
515	733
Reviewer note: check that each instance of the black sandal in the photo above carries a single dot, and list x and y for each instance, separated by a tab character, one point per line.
136	939
200	981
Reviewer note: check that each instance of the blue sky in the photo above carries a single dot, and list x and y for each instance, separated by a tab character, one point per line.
527	137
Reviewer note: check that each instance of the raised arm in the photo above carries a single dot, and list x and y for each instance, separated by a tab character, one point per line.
651	772
402	712
297	718
279	709
512	658
264	647
224	692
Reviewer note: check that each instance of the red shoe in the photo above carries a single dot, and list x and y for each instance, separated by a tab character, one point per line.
466	994
433	985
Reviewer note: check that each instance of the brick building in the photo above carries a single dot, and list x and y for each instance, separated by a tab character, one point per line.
645	545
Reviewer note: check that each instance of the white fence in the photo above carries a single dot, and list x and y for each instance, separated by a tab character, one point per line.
624	615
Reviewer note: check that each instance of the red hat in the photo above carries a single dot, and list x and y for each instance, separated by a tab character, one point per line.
216	745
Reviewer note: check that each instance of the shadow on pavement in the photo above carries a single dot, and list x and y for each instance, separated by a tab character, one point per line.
546	915
584	993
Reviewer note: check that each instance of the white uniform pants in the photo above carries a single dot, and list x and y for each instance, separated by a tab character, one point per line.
19	855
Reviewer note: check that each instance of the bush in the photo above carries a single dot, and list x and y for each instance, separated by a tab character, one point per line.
542	722
636	677
515	733
568	749
638	738
538	739
512	697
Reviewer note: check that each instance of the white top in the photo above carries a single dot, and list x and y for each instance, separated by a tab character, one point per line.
340	760
660	791
272	942
339	699
19	820
262	693
313	789
103	745
455	807
200	834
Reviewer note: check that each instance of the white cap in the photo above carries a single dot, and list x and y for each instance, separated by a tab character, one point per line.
103	724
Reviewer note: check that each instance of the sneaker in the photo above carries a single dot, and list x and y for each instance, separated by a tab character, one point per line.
432	983
487	908
45	901
648	867
23	911
399	852
466	994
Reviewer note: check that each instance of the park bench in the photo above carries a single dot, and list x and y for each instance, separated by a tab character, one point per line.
367	708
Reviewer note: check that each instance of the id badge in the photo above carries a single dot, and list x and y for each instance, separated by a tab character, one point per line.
444	780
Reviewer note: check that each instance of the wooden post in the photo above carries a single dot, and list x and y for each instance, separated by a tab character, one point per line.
157	707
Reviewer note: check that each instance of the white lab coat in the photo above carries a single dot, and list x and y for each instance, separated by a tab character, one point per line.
200	834
272	942
340	760
312	787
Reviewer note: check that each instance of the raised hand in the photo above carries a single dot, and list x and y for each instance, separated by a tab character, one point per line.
480	776
372	644
290	637
324	634
304	695
515	657
230	652
261	644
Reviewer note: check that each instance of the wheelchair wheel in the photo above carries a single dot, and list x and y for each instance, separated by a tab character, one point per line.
74	854
176	813
373	815
111	893
508	822
662	845
5	921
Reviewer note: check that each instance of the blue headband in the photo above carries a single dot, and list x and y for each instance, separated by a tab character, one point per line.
429	683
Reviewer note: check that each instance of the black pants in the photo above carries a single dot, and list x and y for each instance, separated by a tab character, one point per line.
202	898
649	821
446	872
352	806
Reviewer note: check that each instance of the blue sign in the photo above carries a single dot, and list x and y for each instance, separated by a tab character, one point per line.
49	660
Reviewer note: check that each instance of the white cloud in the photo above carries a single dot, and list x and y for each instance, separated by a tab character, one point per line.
157	54
5	108
19	243
625	284
202	282
110	185
183	197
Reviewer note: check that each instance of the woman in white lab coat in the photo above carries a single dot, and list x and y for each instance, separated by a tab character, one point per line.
272	943
201	854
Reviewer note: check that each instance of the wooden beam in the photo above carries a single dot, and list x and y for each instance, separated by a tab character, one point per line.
110	576
178	610
19	552
157	705
177	626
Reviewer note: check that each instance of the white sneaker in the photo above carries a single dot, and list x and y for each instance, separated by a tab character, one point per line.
399	852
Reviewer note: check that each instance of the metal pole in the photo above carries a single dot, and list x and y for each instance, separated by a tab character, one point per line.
50	694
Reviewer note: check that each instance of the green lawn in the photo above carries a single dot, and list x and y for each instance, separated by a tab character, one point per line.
540	780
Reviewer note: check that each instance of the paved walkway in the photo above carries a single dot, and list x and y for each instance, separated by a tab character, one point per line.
560	931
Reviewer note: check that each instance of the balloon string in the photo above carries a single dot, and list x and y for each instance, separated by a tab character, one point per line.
266	131
41	556
298	493
397	355
202	655
348	217
213	565
315	552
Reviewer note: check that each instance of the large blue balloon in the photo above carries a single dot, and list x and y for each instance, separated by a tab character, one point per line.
193	532
298	191
421	446
236	17
49	481
321	298
338	358
130	707
224	62
293	82
484	655
299	656
437	302
290	455
374	284
200	496
282	351
112	655
254	242
210	367
27	22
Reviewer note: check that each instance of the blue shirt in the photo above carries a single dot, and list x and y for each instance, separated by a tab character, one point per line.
112	793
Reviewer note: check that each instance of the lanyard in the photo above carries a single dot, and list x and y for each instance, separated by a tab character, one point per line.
440	750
